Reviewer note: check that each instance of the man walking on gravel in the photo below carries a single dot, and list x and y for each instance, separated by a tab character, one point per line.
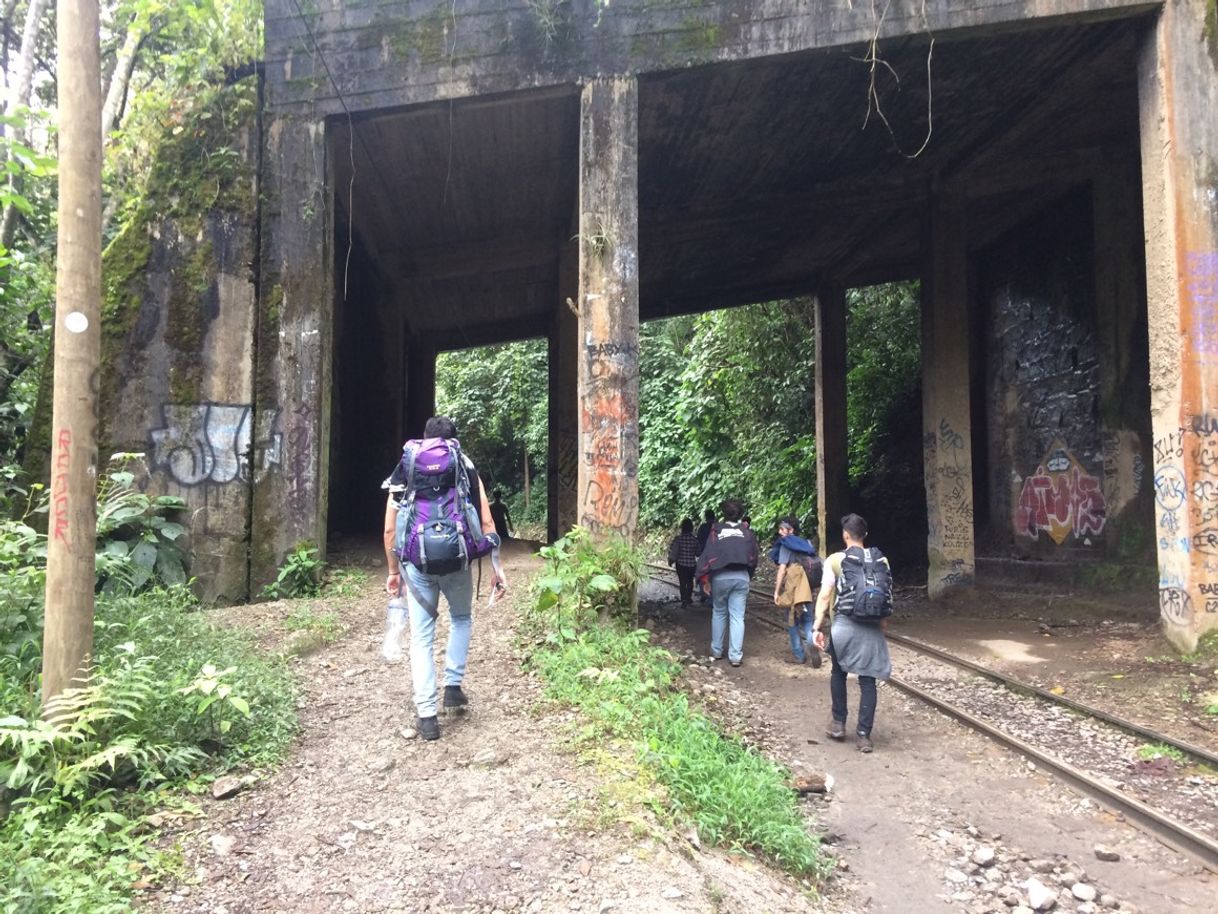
857	584
729	561
436	500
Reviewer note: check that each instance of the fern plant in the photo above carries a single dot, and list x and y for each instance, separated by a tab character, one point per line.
89	737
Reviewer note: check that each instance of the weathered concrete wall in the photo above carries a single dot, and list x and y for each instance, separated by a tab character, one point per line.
946	414
1066	469
178	331
609	307
1178	94
293	354
383	54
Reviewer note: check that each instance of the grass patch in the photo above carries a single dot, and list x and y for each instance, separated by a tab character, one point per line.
1152	751
626	689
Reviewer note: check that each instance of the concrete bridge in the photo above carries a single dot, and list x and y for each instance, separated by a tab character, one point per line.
437	175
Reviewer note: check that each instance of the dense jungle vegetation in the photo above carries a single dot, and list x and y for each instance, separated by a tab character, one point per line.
172	701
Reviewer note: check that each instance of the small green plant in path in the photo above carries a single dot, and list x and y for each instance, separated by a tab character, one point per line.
1152	751
627	689
300	575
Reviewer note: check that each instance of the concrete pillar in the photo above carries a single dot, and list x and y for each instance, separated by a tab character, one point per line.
1178	95
946	423
832	463
420	386
563	472
609	307
293	355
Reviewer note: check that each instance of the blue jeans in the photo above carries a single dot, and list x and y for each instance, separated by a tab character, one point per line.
729	589
423	601
800	632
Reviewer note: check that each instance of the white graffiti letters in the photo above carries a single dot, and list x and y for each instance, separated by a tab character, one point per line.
210	443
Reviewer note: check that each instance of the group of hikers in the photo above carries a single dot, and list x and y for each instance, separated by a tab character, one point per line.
851	591
438	521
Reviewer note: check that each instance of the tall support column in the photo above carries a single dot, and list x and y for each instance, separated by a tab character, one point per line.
832	469
563	472
609	307
420	386
946	424
293	354
1178	95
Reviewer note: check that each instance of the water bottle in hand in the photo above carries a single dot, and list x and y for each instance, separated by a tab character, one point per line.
395	630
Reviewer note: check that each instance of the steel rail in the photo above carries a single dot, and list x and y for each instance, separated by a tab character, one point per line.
1199	753
1161	827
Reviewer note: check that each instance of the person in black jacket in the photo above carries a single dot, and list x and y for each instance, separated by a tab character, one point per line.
729	561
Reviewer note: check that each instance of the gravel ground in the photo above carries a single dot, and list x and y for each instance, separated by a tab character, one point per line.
499	815
938	815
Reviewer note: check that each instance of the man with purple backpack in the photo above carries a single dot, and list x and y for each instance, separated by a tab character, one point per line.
437	521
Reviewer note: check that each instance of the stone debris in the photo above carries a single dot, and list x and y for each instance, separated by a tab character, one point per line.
1083	892
1040	896
226	787
222	845
1106	854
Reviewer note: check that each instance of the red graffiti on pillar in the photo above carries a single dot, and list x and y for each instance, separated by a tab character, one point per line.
59	485
1061	498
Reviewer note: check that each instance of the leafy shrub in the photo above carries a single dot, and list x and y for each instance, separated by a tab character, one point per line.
137	545
300	575
170	697
585	581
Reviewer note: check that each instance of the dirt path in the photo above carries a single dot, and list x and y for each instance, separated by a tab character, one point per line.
912	816
493	817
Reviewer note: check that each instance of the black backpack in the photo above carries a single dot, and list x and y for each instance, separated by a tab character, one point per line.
864	588
813	567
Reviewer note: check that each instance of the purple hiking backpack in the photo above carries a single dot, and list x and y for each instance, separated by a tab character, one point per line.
438	529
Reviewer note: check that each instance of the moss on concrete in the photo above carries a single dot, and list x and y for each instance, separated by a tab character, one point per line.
1210	29
697	35
425	38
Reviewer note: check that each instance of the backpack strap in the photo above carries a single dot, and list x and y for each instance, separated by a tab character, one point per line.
409	453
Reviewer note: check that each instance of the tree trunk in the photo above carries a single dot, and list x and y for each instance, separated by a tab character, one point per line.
116	93
20	97
72	525
526	479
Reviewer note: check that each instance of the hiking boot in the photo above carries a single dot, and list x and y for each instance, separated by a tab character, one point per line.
429	727
736	662
454	698
836	729
814	658
863	741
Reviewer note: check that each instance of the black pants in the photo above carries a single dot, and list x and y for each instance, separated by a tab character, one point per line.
685	575
867	696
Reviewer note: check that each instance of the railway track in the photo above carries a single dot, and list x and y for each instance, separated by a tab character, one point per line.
1087	774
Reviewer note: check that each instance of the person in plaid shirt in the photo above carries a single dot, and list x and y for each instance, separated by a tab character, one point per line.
683	553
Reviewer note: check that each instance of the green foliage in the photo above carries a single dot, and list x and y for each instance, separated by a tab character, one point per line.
584	582
170	697
626	688
313	629
498	396
137	544
1152	751
726	411
300	575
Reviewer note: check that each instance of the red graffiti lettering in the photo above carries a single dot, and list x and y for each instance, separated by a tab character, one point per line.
1061	503
59	485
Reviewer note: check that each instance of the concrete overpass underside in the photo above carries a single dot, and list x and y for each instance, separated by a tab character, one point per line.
436	178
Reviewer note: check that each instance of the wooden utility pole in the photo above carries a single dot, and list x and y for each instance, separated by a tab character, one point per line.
72	526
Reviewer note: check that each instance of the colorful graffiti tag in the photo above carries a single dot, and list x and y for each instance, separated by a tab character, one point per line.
1061	498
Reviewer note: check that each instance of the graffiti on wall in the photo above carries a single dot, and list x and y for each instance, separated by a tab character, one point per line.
210	443
1201	289
1061	499
609	437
